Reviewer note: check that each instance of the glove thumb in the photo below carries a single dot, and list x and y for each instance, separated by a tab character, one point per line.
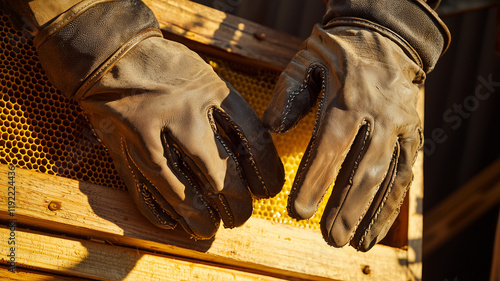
295	93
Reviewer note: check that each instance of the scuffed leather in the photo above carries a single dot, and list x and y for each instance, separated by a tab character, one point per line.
367	131
187	145
414	21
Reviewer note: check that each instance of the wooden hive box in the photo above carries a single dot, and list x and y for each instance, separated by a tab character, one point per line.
70	218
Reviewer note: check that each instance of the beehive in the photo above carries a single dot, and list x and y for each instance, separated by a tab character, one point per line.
42	130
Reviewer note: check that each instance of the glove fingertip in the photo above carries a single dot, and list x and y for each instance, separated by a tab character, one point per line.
337	239
365	242
300	210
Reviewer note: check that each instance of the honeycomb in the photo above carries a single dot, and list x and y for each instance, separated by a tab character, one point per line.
42	130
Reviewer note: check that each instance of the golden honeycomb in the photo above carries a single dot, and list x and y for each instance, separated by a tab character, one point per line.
42	130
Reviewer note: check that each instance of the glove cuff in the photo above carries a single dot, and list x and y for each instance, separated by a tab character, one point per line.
413	21
81	44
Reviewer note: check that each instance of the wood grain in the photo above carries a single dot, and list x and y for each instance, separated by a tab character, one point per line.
227	33
109	215
100	261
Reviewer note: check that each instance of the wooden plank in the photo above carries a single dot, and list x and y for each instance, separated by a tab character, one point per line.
25	274
108	214
81	258
464	206
225	32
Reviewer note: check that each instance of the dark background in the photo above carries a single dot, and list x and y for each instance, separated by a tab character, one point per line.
470	139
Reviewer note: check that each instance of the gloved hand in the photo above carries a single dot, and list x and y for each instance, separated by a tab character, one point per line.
366	79
187	145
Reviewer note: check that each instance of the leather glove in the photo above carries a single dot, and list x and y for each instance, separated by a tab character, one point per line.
186	144
366	79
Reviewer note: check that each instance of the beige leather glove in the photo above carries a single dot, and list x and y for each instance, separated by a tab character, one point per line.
187	145
366	79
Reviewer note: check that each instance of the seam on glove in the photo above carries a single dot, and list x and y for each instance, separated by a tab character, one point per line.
194	186
290	100
148	198
202	199
113	59
312	142
382	204
386	32
353	172
229	213
398	209
244	142
178	164
147	195
64	18
231	155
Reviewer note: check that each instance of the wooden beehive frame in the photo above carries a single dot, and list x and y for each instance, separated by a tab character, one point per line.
95	232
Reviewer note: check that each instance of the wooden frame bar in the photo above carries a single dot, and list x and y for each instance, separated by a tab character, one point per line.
212	31
103	214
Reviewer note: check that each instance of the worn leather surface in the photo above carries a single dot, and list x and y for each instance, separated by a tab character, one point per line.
366	135
189	148
413	21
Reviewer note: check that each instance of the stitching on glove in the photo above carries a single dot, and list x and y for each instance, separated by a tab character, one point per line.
220	197
223	202
244	142
148	198
113	59
312	142
150	201
180	166
202	199
231	154
353	172
290	100
195	188
361	152
382	204
77	10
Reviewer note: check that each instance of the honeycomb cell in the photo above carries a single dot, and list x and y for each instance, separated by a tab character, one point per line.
33	129
42	130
